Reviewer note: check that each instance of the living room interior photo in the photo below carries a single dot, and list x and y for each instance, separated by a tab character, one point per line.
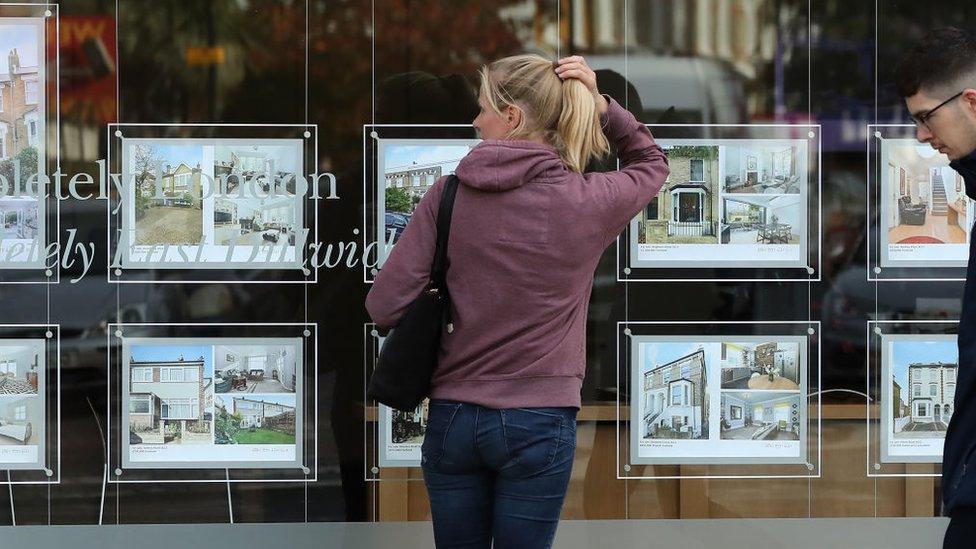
757	415
761	169
254	221
766	366
926	200
255	368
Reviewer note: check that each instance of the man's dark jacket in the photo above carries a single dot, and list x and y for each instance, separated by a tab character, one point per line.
959	461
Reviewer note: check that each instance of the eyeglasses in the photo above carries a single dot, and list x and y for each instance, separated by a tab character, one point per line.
923	119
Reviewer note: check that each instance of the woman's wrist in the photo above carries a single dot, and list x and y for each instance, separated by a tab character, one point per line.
601	103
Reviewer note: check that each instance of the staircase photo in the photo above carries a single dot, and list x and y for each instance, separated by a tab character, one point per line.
940	205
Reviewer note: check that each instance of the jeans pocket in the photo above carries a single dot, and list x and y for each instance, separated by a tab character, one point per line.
532	439
440	416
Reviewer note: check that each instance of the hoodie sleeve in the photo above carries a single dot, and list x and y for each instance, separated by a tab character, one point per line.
406	271
620	195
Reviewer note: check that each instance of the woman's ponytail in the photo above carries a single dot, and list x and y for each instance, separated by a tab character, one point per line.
578	128
564	111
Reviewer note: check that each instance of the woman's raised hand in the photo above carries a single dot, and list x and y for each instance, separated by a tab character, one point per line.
575	67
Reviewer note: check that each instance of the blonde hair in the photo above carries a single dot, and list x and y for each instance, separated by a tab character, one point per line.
563	111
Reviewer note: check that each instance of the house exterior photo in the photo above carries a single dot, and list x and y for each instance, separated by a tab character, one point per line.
20	97
685	210
181	183
675	404
255	412
168	400
932	390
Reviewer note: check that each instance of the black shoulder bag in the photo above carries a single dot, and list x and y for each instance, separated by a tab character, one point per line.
407	360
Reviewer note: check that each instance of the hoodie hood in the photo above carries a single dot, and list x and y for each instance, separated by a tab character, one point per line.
966	167
498	166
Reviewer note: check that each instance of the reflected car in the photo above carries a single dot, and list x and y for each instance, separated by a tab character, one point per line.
396	223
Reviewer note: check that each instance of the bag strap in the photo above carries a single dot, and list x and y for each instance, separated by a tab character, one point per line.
438	271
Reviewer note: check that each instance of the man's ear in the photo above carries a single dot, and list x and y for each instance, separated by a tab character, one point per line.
969	99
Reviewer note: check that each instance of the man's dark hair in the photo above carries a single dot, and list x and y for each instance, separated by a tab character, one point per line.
939	60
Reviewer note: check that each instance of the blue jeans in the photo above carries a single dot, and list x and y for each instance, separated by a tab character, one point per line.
497	474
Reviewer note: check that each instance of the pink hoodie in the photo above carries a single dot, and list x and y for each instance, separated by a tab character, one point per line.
526	236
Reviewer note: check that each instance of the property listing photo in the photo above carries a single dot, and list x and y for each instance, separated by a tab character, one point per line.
255	368
409	427
925	199
18	219
760	415
21	365
171	211
762	168
249	170
409	171
170	394
685	210
21	420
769	366
22	117
674	401
923	387
763	219
254	419
255	221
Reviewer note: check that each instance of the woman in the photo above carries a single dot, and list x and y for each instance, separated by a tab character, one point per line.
527	232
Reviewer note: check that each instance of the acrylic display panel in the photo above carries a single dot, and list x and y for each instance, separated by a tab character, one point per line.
912	367
742	399
741	202
395	437
919	216
237	205
29	144
230	398
30	404
402	163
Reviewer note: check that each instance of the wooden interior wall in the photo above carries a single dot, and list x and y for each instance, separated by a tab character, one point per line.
843	490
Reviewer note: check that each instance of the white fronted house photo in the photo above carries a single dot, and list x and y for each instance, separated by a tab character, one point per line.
674	400
256	412
168	402
922	385
933	388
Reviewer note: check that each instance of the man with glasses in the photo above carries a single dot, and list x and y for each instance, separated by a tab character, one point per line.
938	81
